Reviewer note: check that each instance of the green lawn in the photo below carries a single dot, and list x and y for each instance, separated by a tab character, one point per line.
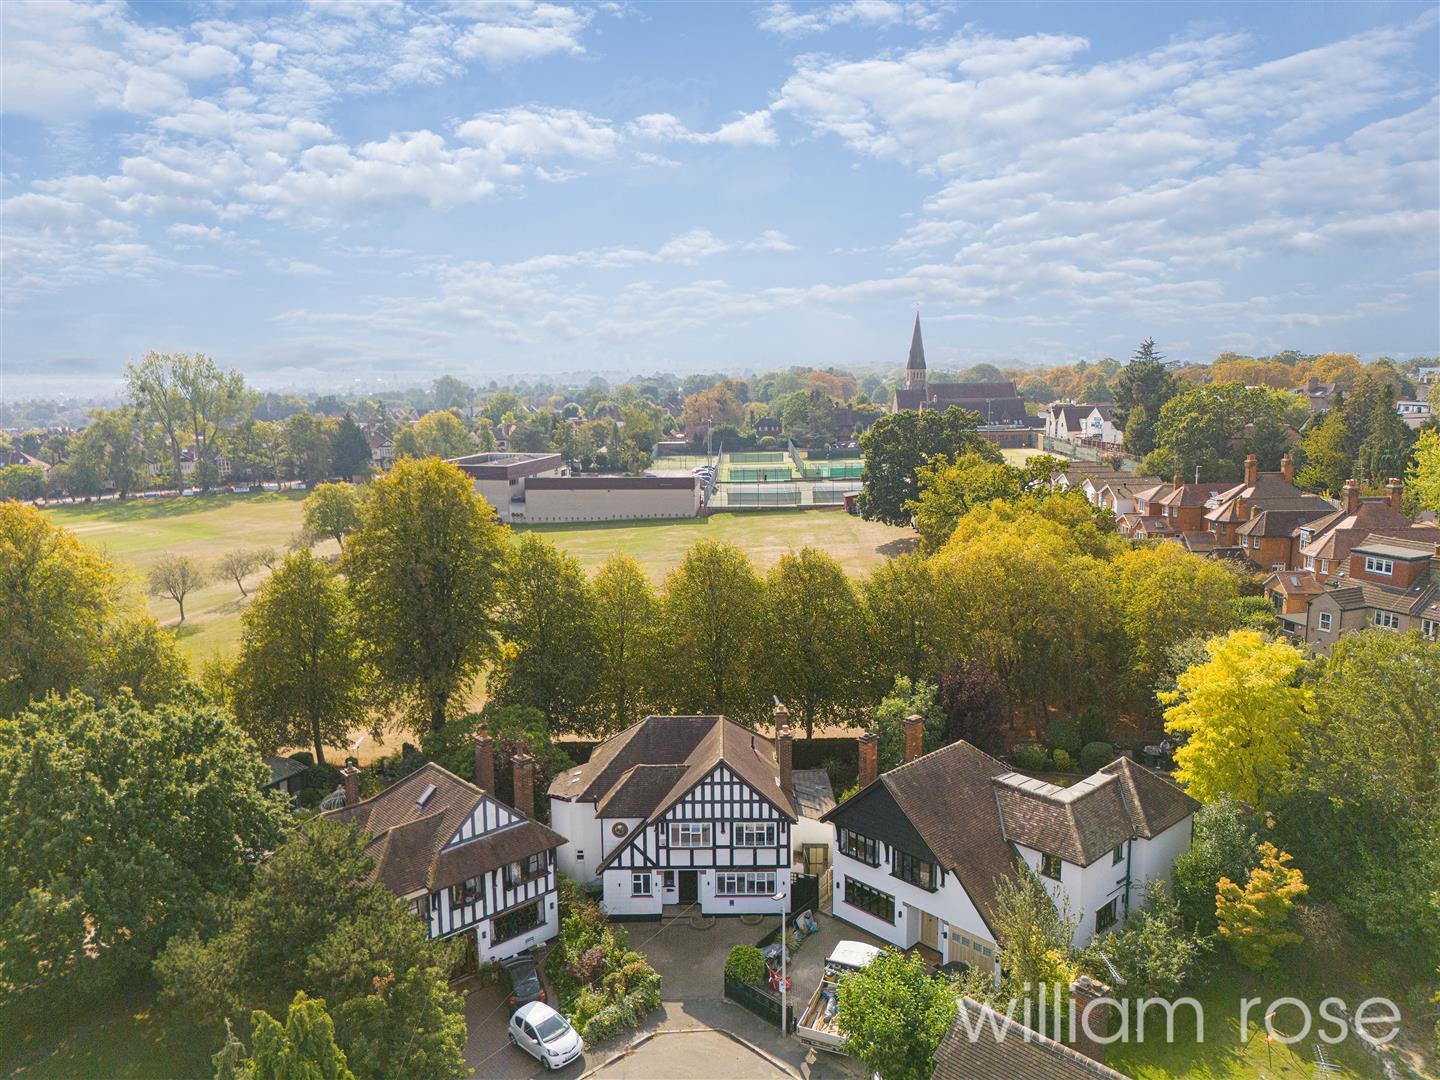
137	532
119	1039
1222	1055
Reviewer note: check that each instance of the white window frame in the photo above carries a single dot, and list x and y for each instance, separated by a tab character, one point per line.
1325	621
641	884
1430	628
745	883
1386	620
692	834
1376	565
754	834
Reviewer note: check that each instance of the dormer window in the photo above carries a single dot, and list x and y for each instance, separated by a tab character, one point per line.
1376	565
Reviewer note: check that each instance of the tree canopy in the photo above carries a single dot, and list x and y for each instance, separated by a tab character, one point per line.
893	1014
899	444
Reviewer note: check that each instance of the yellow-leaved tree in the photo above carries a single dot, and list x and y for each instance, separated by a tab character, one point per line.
1254	919
1241	714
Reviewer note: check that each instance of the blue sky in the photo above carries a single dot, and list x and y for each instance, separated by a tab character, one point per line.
334	195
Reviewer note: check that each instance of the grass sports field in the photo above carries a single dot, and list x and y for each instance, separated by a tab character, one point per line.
134	534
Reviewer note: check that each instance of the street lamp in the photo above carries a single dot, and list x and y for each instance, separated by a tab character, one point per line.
783	898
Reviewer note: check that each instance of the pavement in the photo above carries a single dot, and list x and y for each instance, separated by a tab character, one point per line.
696	1034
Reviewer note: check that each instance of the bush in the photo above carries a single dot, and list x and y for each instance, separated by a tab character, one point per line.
1153	950
745	964
1096	755
1094	726
1029	757
1063	733
1063	761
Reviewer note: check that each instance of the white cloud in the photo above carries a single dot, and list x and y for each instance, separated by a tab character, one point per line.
540	133
505	33
750	129
793	20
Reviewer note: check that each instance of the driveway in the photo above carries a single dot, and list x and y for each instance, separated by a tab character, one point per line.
689	1055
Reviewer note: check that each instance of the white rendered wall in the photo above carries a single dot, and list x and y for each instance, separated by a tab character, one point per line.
950	903
515	946
576	822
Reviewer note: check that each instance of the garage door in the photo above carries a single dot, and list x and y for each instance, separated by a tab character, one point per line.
975	951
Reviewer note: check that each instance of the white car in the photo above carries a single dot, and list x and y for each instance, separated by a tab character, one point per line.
545	1035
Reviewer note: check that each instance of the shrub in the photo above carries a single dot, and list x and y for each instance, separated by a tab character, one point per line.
745	964
1029	757
1062	760
1063	732
1153	950
1096	755
1094	727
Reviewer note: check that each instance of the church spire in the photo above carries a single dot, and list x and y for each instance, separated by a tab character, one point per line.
915	367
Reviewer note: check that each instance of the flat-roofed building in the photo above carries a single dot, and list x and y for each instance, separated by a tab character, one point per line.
538	489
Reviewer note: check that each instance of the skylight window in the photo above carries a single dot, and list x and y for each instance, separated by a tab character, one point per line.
425	796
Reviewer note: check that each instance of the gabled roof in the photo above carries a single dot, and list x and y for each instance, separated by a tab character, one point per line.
1335	534
813	794
282	768
1004	1049
947	801
1295	583
408	837
1395	547
639	790
1271	491
1191	495
1277	523
1092	817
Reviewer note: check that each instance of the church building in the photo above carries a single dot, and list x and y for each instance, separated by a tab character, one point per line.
997	402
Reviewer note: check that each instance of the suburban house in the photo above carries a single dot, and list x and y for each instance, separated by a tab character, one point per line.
1415	413
920	851
1390	583
1318	396
681	810
767	426
1067	420
1120	496
467	864
1234	506
1323	544
287	776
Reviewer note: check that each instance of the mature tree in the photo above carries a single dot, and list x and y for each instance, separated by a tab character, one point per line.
817	635
1163	595
56	596
1242	713
549	654
136	655
716	405
192	401
1034	930
425	566
448	392
1223	844
111	445
333	510
972	697
1422	483
313	922
1386	449
175	577
898	444
350	449
1253	919
436	434
119	828
893	1014
713	611
302	1048
25	483
237	565
948	490
627	624
887	720
268	557
1205	426
309	441
909	620
1327	463
300	676
1141	389
1365	820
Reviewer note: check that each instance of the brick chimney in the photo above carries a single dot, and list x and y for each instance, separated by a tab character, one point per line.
525	784
1287	468
914	737
1177	481
1393	488
1352	496
485	761
1091	1016
782	716
869	759
784	753
1252	470
350	777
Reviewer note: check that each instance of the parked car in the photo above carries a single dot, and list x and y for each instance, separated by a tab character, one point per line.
522	979
545	1035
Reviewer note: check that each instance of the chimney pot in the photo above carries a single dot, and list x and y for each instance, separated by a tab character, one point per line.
1252	470
524	766
1393	490
350	777
485	761
1352	496
785	755
869	759
914	737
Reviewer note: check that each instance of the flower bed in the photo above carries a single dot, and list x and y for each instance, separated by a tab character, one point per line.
604	987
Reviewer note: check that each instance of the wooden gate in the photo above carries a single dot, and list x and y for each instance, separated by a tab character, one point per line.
827	891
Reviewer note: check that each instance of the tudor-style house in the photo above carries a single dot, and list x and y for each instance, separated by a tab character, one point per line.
467	863
921	850
681	810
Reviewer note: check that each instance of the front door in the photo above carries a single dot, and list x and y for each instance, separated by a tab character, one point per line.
930	930
689	886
